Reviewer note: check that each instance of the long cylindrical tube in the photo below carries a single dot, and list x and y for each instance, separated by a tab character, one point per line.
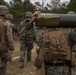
62	20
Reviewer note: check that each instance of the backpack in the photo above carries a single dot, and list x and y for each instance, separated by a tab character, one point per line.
55	46
3	44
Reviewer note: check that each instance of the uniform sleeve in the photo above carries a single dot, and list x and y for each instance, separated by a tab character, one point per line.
14	28
9	37
20	26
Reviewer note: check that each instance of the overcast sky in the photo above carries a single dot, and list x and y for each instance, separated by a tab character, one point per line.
39	0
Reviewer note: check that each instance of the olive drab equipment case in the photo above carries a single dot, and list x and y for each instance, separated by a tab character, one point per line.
48	20
56	20
55	45
3	45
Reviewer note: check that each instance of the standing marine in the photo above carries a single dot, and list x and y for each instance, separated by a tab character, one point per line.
6	40
26	34
55	54
9	18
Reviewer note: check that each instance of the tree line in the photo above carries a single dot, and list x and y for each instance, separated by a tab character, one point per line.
18	7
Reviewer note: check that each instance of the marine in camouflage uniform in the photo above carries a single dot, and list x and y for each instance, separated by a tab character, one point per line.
61	67
9	47
14	28
56	67
73	48
72	36
26	34
39	38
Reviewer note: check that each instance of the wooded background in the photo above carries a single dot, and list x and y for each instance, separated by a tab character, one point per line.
18	7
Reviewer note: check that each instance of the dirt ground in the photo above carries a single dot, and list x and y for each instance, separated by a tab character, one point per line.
13	67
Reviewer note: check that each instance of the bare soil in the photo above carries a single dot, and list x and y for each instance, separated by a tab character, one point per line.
13	68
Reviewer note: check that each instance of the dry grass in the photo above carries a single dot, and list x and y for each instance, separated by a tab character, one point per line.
17	49
13	67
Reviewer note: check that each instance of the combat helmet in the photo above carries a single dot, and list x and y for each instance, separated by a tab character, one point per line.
9	16
71	12
3	10
28	14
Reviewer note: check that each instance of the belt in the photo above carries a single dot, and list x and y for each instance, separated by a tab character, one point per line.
63	63
0	62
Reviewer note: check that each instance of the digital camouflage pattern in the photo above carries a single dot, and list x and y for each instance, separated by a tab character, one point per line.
3	45
26	34
14	28
9	46
3	62
39	38
52	70
73	45
28	14
57	70
25	46
9	37
74	71
24	31
73	50
9	16
3	10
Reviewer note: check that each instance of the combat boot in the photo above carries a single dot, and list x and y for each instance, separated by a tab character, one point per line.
3	71
28	60
21	63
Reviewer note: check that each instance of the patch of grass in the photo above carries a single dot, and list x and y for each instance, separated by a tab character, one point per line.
15	53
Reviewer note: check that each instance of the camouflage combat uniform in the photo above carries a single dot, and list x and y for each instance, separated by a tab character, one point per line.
39	38
57	67
14	28
8	45
38	34
65	69
26	34
9	40
73	43
73	49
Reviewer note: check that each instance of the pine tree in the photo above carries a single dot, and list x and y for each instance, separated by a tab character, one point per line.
72	5
2	2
